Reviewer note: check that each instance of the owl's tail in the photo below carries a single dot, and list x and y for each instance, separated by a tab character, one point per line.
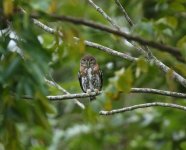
92	98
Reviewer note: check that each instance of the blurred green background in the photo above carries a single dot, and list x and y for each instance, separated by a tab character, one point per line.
28	54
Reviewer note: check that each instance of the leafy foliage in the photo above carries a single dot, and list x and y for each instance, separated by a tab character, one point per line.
28	54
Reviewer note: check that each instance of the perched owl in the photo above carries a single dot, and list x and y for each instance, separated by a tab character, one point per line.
90	76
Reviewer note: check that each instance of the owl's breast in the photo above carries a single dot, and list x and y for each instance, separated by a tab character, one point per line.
89	73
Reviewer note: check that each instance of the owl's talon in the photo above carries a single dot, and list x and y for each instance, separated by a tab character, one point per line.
88	91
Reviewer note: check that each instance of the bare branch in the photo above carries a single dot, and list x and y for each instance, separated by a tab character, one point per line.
158	63
110	51
130	108
116	26
172	50
105	49
133	90
159	92
104	14
43	26
124	12
72	96
46	28
149	55
166	69
81	105
57	86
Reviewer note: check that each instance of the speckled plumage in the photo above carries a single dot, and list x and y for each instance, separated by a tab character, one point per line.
90	76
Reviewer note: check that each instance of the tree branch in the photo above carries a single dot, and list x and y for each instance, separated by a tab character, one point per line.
43	26
110	51
172	50
81	105
158	63
133	90
149	55
72	96
158	92
104	14
46	28
124	13
130	108
100	47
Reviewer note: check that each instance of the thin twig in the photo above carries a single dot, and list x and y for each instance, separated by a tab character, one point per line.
130	108
110	51
159	92
104	14
46	28
124	13
43	26
56	85
81	105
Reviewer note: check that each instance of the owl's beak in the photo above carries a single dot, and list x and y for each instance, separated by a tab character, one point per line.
88	64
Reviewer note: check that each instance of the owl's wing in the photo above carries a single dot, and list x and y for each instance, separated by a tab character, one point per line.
101	78
80	81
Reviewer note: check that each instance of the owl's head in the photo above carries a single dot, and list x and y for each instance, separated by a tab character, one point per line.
88	61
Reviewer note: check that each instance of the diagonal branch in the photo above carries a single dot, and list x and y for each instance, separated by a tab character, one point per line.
104	15
153	104
163	67
43	26
114	52
78	21
100	47
124	13
149	55
110	51
47	28
81	105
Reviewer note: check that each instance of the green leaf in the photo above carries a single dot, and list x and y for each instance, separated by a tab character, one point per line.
142	65
124	82
176	6
112	92
47	106
170	81
182	45
12	67
183	145
169	21
8	7
47	40
181	67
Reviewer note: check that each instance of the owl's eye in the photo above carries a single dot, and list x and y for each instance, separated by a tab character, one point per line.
83	61
91	60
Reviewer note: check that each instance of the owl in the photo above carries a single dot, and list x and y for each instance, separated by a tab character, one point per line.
90	76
